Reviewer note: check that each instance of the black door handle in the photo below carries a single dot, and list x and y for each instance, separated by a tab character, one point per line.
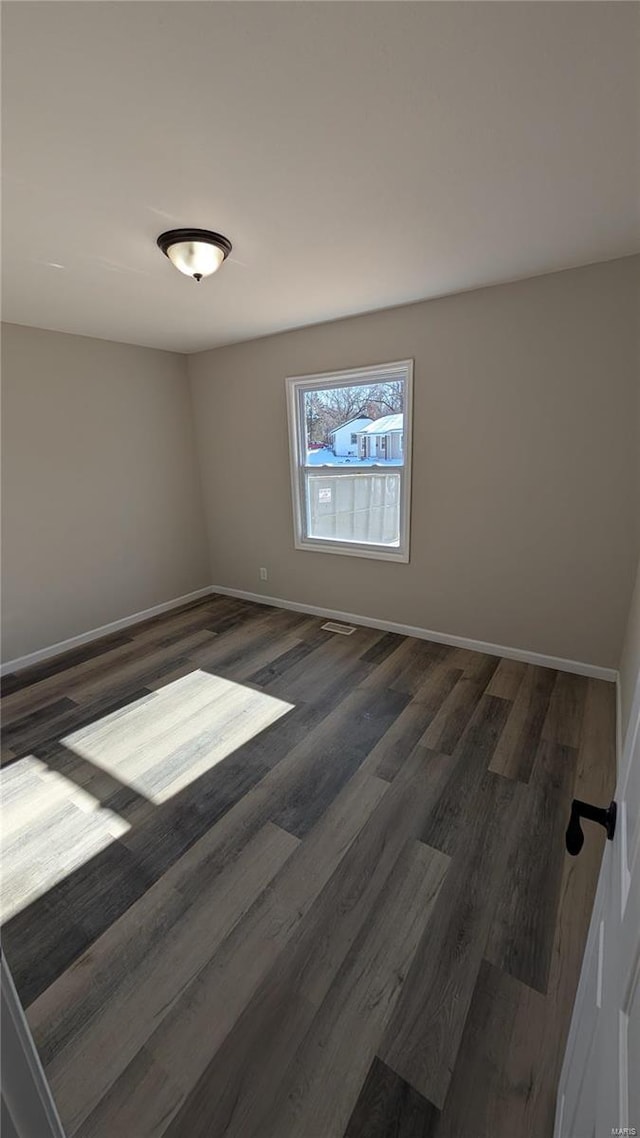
605	816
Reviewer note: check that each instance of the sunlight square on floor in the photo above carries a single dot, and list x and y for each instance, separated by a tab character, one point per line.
159	746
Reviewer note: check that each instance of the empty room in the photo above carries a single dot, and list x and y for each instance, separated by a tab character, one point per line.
320	787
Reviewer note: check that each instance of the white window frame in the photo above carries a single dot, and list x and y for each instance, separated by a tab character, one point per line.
296	386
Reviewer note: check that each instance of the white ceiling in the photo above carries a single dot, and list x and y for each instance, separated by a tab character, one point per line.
358	155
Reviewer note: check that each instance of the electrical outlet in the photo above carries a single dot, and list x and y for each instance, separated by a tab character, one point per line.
264	576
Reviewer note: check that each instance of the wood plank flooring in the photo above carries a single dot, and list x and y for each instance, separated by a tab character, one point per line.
262	881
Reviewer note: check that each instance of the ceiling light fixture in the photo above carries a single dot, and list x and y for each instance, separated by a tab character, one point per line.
195	252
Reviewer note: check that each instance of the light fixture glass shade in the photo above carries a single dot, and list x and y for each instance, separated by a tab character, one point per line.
195	258
195	252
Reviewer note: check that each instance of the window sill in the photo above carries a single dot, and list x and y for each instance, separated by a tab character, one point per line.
344	549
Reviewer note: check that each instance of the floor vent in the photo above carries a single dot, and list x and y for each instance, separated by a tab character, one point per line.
343	629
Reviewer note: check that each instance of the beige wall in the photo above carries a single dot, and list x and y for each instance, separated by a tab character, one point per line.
525	503
630	660
102	507
525	509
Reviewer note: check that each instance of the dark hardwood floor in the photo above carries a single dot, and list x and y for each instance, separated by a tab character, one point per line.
264	881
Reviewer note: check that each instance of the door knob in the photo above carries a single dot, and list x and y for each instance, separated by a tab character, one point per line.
605	816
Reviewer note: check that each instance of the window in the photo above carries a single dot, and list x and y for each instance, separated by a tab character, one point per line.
350	441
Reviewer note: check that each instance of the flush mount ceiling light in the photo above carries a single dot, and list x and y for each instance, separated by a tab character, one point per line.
195	252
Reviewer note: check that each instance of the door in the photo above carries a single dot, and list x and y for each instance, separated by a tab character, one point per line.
599	1092
27	1108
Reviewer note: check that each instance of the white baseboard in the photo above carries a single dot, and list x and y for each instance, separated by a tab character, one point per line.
96	633
561	665
576	666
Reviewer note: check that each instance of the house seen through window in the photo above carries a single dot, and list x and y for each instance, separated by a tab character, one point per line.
350	460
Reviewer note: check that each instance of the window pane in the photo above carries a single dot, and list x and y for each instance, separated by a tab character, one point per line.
354	507
362	424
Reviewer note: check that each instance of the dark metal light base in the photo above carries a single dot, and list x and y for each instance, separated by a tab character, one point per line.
207	236
604	816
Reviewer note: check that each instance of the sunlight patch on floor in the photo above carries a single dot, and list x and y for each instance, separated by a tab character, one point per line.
160	745
49	827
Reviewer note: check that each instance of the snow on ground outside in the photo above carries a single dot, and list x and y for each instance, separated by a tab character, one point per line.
326	457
